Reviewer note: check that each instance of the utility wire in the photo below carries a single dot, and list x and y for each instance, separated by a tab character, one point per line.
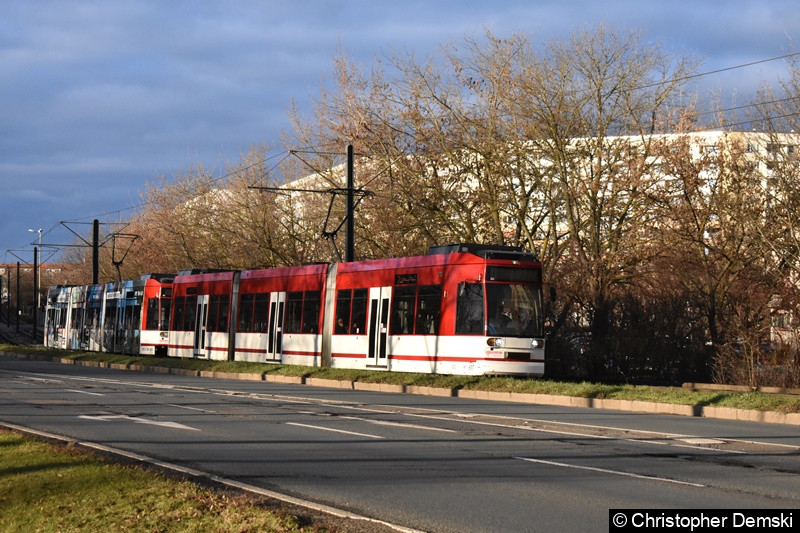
710	72
285	154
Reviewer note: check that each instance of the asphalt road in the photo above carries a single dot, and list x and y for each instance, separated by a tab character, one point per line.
429	463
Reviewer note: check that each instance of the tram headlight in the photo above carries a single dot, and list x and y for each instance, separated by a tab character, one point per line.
537	343
496	342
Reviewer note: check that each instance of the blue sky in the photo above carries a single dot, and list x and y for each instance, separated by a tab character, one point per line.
101	97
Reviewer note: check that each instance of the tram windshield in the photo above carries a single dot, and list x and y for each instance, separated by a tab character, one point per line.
512	309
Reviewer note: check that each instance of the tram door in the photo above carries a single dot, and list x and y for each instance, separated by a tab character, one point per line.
277	306
378	325
200	325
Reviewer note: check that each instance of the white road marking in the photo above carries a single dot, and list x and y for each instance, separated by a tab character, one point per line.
44	380
138	420
22	378
334	430
676	445
85	392
397	424
606	471
670	437
190	408
700	440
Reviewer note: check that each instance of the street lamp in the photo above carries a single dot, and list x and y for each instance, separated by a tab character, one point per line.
38	277
39	231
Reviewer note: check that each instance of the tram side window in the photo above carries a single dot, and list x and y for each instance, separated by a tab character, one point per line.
260	312
77	319
110	315
402	321
302	312
294	312
177	314
217	312
190	313
311	307
94	316
343	307
246	313
163	322
351	311
151	322
213	313
415	310
222	318
123	318
469	309
358	323
134	317
429	304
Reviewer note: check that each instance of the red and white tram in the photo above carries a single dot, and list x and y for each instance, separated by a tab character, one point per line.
156	309
460	309
200	314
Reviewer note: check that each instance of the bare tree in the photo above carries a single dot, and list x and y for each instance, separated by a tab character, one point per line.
595	102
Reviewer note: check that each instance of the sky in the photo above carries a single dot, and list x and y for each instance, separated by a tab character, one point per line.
98	98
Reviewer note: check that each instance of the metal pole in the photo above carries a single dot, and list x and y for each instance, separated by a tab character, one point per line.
35	285
95	251
35	288
350	246
18	297
38	286
8	300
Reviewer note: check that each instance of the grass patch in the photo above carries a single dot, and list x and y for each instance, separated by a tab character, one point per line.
46	487
675	395
759	402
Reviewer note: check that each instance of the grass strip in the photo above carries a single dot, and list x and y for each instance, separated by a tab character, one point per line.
47	487
676	395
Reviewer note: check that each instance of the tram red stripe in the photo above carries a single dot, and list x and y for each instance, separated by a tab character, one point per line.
440	358
396	357
250	350
294	352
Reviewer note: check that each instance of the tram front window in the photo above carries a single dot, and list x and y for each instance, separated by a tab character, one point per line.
514	310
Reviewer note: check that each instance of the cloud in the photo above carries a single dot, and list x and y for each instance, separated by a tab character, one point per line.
98	97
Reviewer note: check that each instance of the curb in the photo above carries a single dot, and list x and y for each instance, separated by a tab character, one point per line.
738	388
277	378
379	387
701	411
